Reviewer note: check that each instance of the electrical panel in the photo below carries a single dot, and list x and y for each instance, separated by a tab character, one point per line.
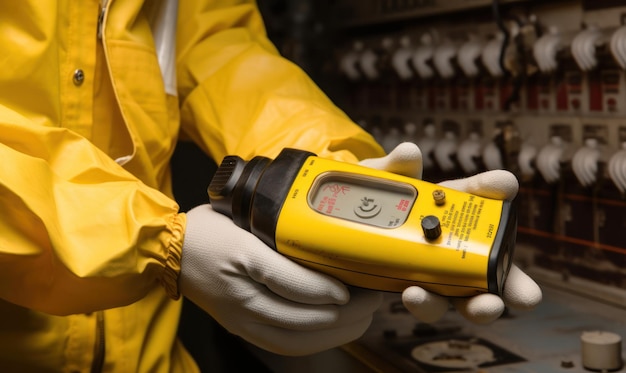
534	87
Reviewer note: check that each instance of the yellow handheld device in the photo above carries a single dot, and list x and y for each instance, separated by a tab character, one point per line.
366	227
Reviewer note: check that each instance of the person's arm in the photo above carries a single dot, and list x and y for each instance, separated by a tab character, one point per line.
239	96
77	232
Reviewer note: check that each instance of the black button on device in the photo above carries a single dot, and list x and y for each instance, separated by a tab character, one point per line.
431	227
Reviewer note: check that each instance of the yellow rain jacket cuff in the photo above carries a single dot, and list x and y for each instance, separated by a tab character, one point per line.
172	265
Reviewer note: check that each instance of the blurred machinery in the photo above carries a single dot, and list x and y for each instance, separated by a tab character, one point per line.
534	87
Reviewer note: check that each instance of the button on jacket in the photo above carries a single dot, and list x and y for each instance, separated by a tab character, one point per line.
94	95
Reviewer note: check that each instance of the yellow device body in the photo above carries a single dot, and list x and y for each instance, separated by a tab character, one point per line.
365	227
394	257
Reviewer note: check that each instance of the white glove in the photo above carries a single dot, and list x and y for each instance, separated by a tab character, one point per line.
265	298
520	291
405	159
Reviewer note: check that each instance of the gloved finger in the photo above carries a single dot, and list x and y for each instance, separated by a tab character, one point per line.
520	291
480	309
496	184
296	343
269	309
294	282
424	305
405	159
266	266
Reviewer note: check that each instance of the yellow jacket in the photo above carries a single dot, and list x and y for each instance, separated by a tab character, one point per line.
87	222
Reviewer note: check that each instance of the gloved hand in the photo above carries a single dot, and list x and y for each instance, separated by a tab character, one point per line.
520	291
265	298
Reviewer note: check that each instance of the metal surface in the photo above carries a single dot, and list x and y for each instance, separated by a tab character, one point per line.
545	340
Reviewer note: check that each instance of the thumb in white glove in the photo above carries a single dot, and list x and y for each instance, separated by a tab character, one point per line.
265	298
520	291
405	159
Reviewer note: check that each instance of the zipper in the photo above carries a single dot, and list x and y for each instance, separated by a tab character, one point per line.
103	10
97	365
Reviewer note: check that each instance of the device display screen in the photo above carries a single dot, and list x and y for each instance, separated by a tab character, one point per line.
362	199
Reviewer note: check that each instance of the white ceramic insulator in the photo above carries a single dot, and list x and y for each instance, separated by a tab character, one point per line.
525	159
468	151
616	168
445	150
467	56
420	59
490	56
400	62
391	139
367	61
492	157
443	60
584	48
410	131
585	162
548	159
347	65
618	46
401	58
427	144
545	50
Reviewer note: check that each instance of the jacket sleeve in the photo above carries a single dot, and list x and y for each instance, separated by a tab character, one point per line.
239	96
77	232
